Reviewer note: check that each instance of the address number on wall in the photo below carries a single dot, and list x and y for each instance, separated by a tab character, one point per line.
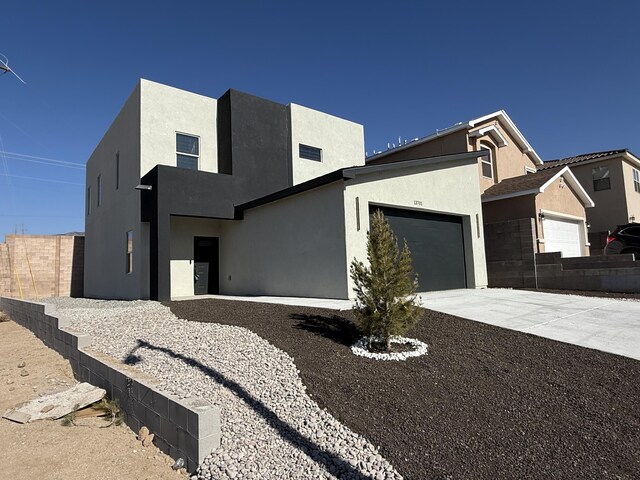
417	202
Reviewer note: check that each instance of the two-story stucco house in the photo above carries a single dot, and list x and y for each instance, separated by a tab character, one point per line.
510	185
188	194
612	180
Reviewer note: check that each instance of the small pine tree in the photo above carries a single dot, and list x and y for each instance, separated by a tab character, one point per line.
386	303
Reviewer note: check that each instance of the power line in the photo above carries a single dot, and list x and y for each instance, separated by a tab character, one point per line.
19	156
42	179
45	162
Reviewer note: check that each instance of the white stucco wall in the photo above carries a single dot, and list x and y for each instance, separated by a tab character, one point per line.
167	111
183	231
105	228
292	247
452	188
341	142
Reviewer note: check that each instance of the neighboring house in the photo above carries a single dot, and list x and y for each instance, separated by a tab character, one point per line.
511	188
612	180
188	194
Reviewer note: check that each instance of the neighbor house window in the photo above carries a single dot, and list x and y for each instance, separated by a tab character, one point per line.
188	151
310	153
88	201
130	251
117	170
99	190
636	180
601	180
487	162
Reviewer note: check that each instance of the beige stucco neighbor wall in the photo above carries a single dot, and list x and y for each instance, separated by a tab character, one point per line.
167	111
509	160
450	188
633	197
610	205
183	230
341	142
447	144
106	225
292	247
41	266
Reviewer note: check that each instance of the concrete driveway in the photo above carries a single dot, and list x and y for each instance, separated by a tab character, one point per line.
603	324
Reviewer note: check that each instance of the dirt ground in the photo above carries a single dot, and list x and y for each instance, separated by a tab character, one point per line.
46	449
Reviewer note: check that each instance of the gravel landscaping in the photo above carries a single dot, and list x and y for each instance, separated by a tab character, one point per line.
271	429
485	402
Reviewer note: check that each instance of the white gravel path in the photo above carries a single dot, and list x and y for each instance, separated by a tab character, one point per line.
271	429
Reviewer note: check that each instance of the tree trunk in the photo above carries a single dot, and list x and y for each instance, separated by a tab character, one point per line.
387	343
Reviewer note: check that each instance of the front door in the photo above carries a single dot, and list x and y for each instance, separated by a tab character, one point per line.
205	265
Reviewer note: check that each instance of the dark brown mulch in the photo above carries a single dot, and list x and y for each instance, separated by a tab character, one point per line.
485	403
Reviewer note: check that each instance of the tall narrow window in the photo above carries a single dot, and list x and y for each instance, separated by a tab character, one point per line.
88	201
187	150
130	251
310	153
636	180
601	179
117	170
99	192
487	162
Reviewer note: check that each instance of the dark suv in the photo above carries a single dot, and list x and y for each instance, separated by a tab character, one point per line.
624	239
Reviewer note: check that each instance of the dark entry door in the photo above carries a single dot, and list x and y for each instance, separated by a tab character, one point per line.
205	265
436	244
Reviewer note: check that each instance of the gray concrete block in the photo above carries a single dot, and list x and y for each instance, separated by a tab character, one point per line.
160	403
203	421
178	413
169	431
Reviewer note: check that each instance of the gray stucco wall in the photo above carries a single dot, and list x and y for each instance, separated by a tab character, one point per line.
291	247
106	226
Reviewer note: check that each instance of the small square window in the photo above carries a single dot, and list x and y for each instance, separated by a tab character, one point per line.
601	180
310	153
188	151
636	180
129	267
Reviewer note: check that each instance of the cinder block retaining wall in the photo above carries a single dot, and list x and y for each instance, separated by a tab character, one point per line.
188	429
604	273
512	263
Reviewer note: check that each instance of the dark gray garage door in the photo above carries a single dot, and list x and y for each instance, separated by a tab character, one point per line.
436	244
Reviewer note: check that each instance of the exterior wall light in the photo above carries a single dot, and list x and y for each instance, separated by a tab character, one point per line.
144	187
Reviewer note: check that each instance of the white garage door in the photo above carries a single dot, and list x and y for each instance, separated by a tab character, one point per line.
562	236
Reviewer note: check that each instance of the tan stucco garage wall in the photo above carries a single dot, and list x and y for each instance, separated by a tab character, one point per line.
183	230
450	188
292	247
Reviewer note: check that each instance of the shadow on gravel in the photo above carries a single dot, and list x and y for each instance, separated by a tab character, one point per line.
332	462
335	328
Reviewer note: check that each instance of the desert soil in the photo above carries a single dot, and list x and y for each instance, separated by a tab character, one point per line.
46	449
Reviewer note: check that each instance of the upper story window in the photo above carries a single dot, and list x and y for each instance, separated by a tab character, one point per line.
117	170
487	162
187	150
310	153
601	180
636	180
88	201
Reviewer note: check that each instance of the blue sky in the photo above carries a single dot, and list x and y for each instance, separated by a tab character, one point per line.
565	71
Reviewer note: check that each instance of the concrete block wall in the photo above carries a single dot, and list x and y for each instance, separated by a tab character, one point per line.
188	429
54	263
510	251
603	273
